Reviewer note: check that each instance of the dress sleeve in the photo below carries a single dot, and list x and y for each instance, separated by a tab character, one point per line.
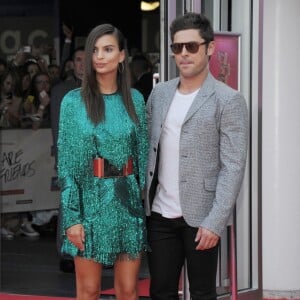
67	147
142	138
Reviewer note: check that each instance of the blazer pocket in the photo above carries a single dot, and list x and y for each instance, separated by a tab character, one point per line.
210	184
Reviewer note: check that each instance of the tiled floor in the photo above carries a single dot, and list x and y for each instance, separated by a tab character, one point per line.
31	267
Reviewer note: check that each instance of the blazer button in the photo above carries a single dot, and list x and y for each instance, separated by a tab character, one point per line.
154	149
151	173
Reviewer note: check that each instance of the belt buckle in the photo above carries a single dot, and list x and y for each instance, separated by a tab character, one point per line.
111	170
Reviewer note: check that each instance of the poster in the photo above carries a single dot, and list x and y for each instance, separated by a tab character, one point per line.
27	175
224	63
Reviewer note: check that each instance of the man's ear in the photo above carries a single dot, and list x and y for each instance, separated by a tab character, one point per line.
211	48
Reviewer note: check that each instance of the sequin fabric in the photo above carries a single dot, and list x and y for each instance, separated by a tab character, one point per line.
110	209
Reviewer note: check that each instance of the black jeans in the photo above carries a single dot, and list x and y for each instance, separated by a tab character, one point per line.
172	242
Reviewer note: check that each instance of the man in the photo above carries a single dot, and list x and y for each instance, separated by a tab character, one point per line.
198	148
60	89
57	93
142	74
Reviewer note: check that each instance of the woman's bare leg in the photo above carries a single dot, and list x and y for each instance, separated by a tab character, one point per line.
126	279
88	279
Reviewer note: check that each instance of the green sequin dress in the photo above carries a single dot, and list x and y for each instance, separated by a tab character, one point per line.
110	209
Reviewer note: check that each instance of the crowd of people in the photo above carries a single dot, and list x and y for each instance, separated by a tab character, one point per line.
26	82
31	90
154	171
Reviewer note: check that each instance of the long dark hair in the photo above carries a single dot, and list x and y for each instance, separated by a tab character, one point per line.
90	91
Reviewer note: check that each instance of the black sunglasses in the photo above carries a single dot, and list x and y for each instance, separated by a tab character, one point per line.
191	47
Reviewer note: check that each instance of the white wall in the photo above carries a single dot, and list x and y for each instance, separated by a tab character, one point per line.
281	149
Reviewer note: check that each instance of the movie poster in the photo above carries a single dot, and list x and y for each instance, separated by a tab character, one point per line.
224	63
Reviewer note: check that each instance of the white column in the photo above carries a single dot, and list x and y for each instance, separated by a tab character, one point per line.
281	149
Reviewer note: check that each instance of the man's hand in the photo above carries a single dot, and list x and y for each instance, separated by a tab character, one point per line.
206	238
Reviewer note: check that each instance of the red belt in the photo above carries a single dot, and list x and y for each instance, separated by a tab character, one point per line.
104	169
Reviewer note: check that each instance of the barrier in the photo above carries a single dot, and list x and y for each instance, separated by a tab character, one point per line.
27	175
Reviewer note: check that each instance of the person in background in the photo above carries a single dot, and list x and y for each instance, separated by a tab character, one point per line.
20	58
10	225
102	153
25	80
32	67
36	104
66	65
199	133
142	75
3	65
68	41
10	99
10	116
58	91
36	109
67	70
35	115
54	73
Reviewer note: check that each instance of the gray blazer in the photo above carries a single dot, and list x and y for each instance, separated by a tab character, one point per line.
213	151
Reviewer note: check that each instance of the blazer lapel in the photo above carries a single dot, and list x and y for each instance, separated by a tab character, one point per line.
203	95
169	93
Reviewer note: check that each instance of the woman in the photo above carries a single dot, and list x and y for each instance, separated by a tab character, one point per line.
32	67
36	106
10	99
102	149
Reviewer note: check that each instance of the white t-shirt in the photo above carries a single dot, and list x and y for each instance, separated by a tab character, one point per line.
166	200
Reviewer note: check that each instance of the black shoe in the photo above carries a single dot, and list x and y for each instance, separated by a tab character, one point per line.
67	266
48	229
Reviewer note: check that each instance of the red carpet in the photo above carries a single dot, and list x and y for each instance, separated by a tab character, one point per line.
143	292
29	297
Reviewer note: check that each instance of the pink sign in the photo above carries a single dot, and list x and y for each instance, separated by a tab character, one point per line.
224	63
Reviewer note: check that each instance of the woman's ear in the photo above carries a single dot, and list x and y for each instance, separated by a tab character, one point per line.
122	56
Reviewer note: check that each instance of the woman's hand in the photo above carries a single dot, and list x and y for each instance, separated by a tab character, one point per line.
76	236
